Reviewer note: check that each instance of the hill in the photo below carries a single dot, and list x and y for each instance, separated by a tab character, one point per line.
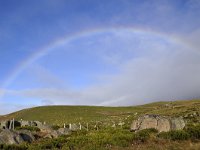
100	132
74	114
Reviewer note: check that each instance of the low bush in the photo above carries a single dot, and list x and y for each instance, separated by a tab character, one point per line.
55	127
144	135
28	128
13	147
174	135
193	131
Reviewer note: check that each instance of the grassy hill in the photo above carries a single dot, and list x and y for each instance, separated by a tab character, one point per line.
74	114
116	138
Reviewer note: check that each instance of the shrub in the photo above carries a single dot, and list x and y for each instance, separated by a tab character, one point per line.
179	135
174	135
28	128
151	130
55	127
144	135
164	135
193	131
13	147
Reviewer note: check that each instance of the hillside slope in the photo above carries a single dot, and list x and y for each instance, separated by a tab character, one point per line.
74	114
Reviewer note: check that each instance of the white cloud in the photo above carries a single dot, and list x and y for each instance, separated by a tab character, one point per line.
1	92
7	108
161	71
141	80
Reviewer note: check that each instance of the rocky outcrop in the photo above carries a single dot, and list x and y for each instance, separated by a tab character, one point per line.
64	131
15	137
161	123
8	134
57	133
26	135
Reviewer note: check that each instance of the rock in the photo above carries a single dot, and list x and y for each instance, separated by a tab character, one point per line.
113	126
48	135
57	133
15	137
74	127
25	123
43	127
10	137
26	135
161	123
3	125
121	123
148	122
37	124
53	134
64	131
177	123
46	129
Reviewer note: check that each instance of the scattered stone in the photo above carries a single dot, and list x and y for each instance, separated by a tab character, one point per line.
121	123
74	127
113	126
64	131
25	123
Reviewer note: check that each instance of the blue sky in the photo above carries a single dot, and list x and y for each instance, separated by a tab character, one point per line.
111	52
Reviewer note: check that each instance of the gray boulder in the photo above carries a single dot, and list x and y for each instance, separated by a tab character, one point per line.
161	123
26	135
177	123
46	129
10	137
25	123
147	122
64	131
52	134
43	127
74	127
15	137
57	133
37	124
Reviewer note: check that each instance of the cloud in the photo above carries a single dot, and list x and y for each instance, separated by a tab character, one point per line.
192	39
7	108
172	75
1	92
157	70
44	76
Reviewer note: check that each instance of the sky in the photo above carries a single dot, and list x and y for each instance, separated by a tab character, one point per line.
98	52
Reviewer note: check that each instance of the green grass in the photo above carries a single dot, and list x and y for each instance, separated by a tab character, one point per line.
58	115
111	139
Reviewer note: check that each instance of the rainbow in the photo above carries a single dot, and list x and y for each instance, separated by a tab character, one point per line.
68	38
